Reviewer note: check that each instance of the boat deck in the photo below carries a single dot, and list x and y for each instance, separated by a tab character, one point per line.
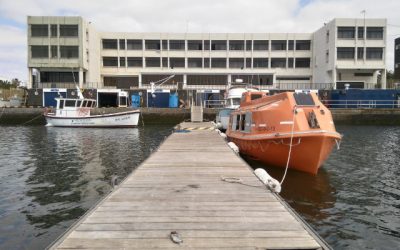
181	188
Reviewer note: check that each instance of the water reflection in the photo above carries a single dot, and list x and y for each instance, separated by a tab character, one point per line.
65	171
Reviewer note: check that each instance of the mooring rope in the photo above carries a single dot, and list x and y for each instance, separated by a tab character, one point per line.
290	146
31	120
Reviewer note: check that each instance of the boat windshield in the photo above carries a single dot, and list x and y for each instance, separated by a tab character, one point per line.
235	101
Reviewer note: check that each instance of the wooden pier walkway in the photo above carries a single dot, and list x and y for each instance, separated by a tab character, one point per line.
180	188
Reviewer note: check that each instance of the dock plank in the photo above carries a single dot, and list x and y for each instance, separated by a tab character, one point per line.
181	187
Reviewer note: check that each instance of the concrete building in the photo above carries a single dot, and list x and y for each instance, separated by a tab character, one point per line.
64	50
397	58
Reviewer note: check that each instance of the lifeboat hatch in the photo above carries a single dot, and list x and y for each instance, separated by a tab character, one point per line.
312	120
304	99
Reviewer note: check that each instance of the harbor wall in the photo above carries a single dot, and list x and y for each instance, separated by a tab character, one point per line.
33	116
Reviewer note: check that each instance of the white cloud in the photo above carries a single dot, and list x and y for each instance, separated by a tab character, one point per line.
182	15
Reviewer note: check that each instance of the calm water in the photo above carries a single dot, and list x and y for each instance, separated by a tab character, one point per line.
51	176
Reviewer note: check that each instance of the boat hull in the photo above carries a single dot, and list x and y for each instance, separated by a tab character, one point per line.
121	119
308	153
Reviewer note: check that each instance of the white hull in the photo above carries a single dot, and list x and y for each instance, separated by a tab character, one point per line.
122	119
223	118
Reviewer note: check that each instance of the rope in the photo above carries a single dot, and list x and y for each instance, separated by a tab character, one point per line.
290	146
238	180
31	120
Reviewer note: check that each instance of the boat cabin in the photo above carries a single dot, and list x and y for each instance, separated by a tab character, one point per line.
71	107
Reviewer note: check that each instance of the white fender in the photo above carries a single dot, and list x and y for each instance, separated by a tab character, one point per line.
270	182
233	146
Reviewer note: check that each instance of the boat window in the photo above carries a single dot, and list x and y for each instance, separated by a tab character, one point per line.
61	104
242	122
255	96
304	99
89	104
233	122
84	104
122	101
237	122
78	103
93	104
248	122
70	103
235	101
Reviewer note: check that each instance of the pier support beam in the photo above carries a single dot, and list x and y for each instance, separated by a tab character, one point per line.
29	84
80	78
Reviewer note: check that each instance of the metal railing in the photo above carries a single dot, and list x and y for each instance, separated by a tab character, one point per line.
214	104
345	104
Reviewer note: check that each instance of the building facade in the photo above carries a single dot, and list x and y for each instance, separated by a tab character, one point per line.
397	58
67	50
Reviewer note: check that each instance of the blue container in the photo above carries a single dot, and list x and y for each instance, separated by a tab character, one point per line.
364	98
49	98
158	100
173	100
135	101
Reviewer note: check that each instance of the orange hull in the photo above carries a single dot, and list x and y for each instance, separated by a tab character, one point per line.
307	155
262	128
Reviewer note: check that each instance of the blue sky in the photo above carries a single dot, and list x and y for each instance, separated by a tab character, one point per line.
179	15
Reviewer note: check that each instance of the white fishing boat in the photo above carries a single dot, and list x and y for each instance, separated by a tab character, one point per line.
232	102
72	112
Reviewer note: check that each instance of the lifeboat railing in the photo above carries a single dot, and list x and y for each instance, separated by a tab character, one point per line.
351	104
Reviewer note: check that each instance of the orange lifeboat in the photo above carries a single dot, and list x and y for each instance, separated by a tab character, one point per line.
266	128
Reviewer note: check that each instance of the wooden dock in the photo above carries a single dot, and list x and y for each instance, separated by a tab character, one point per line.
181	188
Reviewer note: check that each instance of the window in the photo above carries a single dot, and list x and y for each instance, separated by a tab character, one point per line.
121	44
218	45
303	45
122	61
84	103
345	53
363	74
89	104
69	51
248	63
39	30
39	51
290	45
135	62
54	51
375	33
164	62
249	44
177	45
278	45
68	30
152	62
292	78
61	104
70	103
290	63
110	44
59	76
302	62
260	63
206	62
218	63
360	53
177	62
206	44
236	45
53	30
346	32
242	122
134	44
110	61
78	103
195	63
152	45
164	44
374	53
195	45
237	122
327	56
236	63
260	45
278	63
360	32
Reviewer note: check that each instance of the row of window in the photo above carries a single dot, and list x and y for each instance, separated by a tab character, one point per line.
179	62
373	33
53	51
350	52
134	44
54	30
